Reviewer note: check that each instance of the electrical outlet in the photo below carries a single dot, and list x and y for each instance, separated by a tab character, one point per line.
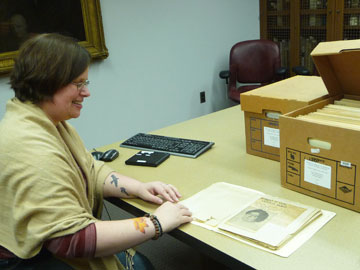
202	97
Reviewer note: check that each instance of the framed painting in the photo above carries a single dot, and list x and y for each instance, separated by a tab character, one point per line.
22	19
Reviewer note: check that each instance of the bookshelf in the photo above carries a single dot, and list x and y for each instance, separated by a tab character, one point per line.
299	25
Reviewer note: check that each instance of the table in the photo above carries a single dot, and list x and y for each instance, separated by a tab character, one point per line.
335	246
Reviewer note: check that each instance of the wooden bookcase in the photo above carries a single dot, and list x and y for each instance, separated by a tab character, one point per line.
299	25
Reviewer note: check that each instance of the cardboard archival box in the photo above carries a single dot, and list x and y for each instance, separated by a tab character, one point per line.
321	159
263	106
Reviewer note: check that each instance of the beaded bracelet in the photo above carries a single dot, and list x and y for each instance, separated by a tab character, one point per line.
157	225
161	230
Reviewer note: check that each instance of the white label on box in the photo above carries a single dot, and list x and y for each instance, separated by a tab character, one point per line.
345	164
317	174
272	137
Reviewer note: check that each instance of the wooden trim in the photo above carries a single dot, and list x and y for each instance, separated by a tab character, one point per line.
294	34
263	19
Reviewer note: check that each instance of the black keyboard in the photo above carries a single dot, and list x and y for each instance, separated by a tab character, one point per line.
171	145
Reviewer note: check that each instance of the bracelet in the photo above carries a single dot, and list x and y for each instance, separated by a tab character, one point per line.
161	230
157	225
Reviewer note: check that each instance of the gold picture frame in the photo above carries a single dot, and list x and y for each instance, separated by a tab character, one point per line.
92	28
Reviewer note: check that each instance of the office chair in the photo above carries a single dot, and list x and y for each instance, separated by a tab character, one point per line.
253	63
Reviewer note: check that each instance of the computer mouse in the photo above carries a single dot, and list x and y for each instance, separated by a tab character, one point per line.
109	155
97	154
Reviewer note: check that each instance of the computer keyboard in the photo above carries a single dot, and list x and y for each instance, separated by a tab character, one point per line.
171	145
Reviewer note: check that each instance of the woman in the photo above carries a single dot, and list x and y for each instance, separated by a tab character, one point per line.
51	188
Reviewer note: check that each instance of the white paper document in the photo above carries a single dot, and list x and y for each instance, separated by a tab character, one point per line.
272	224
272	137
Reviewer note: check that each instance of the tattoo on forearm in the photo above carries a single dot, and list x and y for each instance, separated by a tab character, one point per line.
123	190
115	180
140	224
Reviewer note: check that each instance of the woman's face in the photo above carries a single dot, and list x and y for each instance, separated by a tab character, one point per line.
67	101
251	217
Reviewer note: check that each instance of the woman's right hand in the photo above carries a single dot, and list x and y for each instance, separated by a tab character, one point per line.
172	215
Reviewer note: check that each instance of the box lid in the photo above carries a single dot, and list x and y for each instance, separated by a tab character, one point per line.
284	96
338	63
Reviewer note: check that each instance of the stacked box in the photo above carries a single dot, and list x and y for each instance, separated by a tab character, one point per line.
263	106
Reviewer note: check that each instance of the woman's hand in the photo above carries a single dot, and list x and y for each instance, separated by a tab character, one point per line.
151	191
117	235
172	215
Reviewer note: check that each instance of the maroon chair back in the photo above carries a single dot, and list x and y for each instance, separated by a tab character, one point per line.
252	62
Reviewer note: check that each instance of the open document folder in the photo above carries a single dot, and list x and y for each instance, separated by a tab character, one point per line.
273	224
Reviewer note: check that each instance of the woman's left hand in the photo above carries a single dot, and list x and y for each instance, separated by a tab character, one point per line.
152	190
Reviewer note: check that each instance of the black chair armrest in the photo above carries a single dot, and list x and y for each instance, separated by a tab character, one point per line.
300	70
225	74
281	72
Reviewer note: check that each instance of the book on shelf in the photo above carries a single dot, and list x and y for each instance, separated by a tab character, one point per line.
354	3
254	217
284	46
307	45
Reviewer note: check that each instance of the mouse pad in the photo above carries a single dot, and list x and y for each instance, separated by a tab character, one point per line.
147	158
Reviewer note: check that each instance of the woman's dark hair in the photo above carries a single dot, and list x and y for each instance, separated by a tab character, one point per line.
46	63
262	214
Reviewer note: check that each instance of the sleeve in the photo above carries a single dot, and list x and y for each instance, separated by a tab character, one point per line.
101	172
78	245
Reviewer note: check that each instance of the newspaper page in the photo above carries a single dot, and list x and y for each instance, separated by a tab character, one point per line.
223	207
270	221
